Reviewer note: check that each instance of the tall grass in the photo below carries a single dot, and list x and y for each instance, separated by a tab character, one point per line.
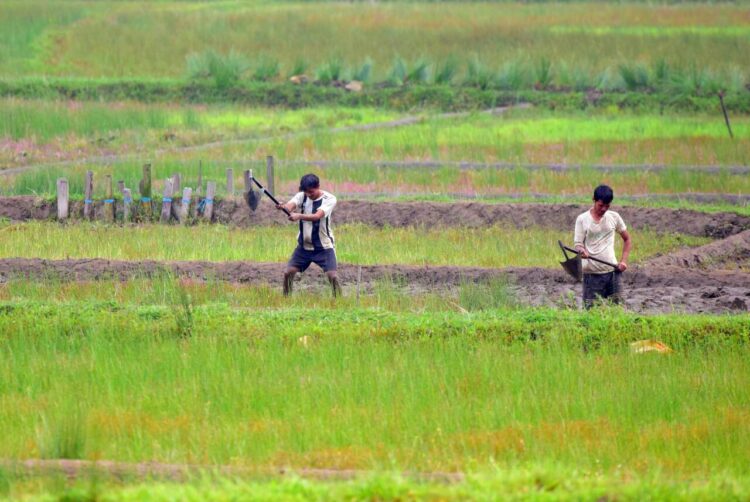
44	121
495	246
113	39
444	392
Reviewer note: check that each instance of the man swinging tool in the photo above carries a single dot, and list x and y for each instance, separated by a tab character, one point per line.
312	208
595	238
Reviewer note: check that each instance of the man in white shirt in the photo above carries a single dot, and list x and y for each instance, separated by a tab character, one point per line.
312	208
595	237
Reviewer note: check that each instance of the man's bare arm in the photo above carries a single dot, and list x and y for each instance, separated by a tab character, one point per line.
319	214
289	206
626	247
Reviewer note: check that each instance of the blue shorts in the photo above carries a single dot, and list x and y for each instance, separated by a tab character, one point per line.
324	258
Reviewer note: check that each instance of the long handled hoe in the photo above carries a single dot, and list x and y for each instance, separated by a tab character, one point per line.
253	200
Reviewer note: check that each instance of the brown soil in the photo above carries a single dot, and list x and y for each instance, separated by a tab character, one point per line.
400	214
732	253
649	288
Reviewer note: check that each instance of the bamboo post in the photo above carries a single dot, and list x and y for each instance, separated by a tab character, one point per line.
184	210
88	190
127	201
145	189
176	182
62	199
247	177
166	201
109	201
230	182
208	210
726	116
269	174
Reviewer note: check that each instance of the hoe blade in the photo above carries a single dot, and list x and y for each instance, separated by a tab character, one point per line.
573	267
253	199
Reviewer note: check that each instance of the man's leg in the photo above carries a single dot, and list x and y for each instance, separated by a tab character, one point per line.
299	262
592	289
334	281
614	289
289	279
326	259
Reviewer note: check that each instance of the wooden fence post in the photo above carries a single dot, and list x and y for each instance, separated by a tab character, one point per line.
88	190
145	189
109	201
230	182
208	209
185	205
166	201
176	182
62	199
269	174
127	200
121	187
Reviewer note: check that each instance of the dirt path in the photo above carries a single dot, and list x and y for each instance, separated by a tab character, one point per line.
429	214
650	289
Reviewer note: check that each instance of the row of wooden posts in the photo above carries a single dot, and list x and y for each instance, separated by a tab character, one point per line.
191	205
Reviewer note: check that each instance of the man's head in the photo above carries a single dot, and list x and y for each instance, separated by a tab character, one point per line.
310	184
603	196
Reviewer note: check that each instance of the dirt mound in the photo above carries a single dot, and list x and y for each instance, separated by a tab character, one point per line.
475	214
649	289
731	253
235	212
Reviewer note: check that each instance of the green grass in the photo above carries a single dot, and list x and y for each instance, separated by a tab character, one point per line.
44	121
427	391
607	137
137	38
543	482
496	246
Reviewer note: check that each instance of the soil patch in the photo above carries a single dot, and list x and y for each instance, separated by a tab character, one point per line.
732	253
427	214
649	289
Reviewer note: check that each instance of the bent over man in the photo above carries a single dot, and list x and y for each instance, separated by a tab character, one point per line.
595	236
312	208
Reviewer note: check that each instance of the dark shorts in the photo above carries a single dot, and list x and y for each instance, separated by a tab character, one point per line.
603	286
324	258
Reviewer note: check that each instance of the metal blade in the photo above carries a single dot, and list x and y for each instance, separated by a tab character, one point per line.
253	199
573	267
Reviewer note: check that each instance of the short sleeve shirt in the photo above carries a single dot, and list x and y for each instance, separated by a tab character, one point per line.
598	239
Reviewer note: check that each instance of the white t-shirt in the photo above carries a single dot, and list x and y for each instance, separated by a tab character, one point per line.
314	236
598	239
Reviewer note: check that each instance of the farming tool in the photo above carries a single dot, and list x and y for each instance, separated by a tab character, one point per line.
573	266
253	199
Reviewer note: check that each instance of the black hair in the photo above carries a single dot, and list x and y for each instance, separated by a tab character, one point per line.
309	181
603	193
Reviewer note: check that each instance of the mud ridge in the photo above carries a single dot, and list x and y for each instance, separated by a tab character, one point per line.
730	253
649	289
235	212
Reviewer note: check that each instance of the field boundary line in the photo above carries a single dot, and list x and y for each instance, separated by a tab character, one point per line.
390	124
182	472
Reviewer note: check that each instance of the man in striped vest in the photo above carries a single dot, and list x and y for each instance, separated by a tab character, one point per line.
312	208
